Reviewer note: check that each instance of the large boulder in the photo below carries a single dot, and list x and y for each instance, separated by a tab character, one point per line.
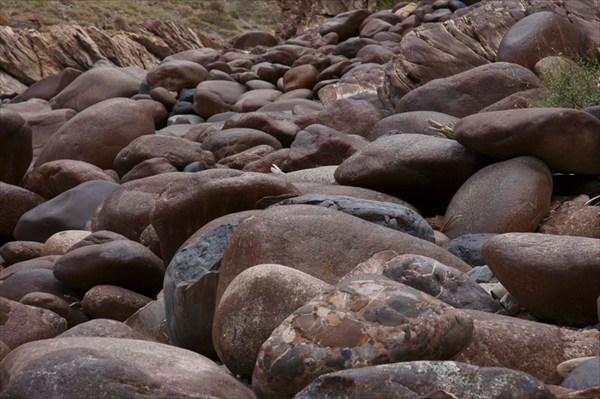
426	379
49	86
96	85
322	242
14	202
363	321
216	96
97	134
112	367
567	140
509	196
410	122
563	270
412	166
233	141
176	75
468	92
71	210
254	304
16	149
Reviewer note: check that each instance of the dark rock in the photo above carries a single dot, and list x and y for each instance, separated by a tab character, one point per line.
241	159
468	247
249	40
20	251
410	122
112	302
16	149
232	141
102	328
300	77
151	321
152	167
277	125
32	278
216	96
350	116
345	25
72	313
176	75
584	376
50	86
14	202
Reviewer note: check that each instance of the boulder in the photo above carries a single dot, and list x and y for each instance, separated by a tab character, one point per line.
563	269
44	124
277	125
468	247
322	242
393	216
97	134
254	304
468	92
124	263
573	218
148	168
20	251
113	367
216	96
251	39
185	207
176	75
151	321
535	348
105	328
23	323
190	284
96	85
31	277
300	77
49	86
350	116
16	151
440	281
363	321
509	196
410	122
345	25
241	159
179	152
71	210
567	140
232	141
71	312
584	376
543	34
56	177
107	301
426	379
411	166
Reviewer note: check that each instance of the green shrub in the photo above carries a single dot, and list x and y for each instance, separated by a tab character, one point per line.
573	86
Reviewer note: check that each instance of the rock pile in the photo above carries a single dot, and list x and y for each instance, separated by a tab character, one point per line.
357	211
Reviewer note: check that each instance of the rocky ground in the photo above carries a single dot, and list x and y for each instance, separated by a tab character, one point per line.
373	208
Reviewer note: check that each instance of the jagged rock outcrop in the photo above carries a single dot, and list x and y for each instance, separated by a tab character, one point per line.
28	56
471	38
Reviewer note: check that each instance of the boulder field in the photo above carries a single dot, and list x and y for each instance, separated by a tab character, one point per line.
377	206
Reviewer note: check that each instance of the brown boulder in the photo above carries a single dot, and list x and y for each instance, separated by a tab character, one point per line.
241	159
543	34
410	122
102	328
185	207
14	202
232	141
148	168
567	140
53	178
216	96
179	152
573	218
113	367
468	92
531	347
49	86
249	40
31	278
345	25
176	75
16	149
97	134
23	323
278	125
96	85
44	124
563	270
319	145
300	77
509	196
122	262
350	116
112	302
254	304
322	242
19	251
71	312
254	99
412	166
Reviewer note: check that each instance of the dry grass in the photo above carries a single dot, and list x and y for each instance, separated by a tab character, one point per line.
224	17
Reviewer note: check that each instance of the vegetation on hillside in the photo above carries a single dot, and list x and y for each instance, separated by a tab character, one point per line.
225	17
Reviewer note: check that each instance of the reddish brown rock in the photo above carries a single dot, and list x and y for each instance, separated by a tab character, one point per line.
249	40
346	24
350	116
254	304
410	122
151	321
573	219
112	302
113	367
232	141
535	348
567	140
32	278
184	208
277	125
464	94
149	167
542	34
20	251
300	77
22	323
509	196
255	99
96	85
216	96
102	328
411	166
176	75
16	149
97	134
44	124
179	152
122	262
241	159
563	270
319	145
43	262
71	312
322	242
365	320
49	86
56	177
